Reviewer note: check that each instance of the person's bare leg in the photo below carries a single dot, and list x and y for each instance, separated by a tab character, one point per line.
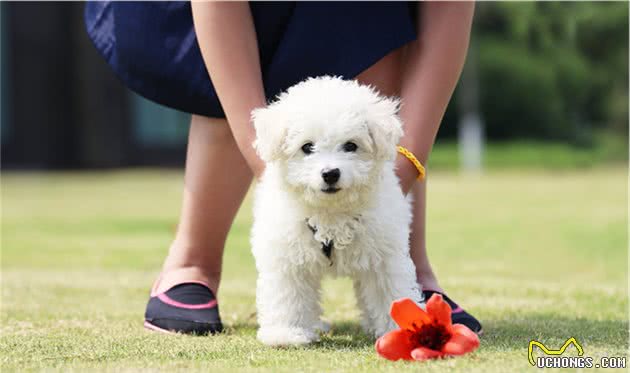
432	65
417	243
217	174
216	180
386	76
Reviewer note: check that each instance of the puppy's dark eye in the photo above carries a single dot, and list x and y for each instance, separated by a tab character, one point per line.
350	147
307	148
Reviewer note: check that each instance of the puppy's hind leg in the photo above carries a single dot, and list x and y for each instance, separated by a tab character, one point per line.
288	307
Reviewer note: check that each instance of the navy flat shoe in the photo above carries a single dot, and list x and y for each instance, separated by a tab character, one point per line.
458	315
189	308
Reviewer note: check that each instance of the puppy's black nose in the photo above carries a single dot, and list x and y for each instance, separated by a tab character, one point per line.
331	176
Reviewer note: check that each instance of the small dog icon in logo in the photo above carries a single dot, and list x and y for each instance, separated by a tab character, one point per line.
532	343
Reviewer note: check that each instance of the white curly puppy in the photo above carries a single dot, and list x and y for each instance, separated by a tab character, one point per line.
329	203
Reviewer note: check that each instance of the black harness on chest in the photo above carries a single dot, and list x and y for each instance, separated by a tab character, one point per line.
327	246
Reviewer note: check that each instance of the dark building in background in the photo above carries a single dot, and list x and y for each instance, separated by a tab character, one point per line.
62	107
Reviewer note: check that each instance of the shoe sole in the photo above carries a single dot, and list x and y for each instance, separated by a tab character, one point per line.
151	327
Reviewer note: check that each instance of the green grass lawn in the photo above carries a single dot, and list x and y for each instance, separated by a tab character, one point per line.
534	254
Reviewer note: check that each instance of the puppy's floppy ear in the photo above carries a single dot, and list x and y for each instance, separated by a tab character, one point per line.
385	127
270	133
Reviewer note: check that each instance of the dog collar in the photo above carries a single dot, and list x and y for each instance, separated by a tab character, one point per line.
327	246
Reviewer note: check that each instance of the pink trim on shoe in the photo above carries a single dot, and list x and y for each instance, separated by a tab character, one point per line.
166	299
159	278
457	310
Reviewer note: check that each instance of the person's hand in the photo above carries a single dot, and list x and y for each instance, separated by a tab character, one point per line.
245	140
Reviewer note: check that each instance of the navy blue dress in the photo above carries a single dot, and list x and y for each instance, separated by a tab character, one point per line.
153	49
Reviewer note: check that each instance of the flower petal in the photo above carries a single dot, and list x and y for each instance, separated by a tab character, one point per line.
463	341
423	353
439	310
395	345
406	313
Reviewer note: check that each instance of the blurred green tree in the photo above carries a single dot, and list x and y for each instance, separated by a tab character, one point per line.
551	70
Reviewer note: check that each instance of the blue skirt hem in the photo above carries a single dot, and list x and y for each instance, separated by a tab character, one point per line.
152	46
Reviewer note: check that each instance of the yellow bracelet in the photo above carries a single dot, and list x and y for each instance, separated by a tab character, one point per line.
412	158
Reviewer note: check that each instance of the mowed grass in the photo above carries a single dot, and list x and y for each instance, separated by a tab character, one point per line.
534	254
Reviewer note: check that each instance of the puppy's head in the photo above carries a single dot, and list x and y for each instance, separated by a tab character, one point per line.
330	137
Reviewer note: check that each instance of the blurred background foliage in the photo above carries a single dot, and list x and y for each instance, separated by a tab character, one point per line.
551	71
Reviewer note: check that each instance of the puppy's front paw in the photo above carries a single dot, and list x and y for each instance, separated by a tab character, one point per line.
286	336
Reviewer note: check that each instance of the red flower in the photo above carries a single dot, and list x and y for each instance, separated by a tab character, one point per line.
425	334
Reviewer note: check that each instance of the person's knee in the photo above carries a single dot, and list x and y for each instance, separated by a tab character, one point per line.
213	130
385	74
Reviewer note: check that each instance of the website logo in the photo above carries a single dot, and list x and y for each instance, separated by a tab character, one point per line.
555	358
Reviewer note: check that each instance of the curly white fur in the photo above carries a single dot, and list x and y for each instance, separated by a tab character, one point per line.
367	220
